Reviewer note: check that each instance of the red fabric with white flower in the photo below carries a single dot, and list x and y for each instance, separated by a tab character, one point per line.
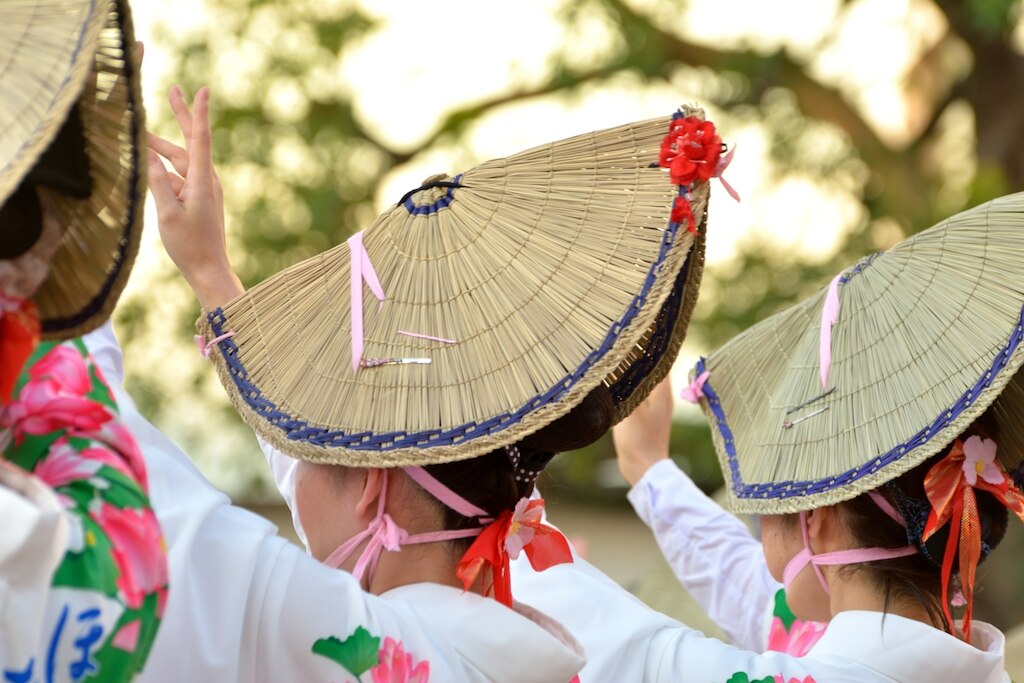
950	486
503	539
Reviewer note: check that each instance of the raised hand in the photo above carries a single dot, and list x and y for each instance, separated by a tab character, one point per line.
641	440
190	203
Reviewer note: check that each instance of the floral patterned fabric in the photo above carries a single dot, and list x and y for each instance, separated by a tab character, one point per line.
362	653
789	634
108	592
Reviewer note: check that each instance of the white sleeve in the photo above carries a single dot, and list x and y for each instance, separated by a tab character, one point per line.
32	545
710	551
683	655
283	468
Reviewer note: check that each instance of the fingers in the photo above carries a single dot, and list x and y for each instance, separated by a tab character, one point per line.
178	156
177	184
199	146
164	194
181	112
140	52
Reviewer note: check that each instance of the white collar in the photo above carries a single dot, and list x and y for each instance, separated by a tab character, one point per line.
520	644
904	649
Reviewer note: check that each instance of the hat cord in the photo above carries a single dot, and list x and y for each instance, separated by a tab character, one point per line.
385	534
841	557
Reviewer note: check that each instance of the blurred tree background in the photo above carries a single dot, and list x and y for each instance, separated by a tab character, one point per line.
858	122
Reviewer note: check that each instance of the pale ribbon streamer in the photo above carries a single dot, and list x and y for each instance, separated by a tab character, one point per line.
829	315
360	269
206	346
427	336
723	163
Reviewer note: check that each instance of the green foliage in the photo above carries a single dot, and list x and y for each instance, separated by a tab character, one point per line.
993	18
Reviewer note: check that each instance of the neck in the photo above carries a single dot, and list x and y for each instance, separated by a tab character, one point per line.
854	590
421	563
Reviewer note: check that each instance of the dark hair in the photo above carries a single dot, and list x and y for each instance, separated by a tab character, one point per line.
489	481
916	578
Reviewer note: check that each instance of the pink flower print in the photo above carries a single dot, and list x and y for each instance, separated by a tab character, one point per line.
63	465
521	529
779	678
42	408
800	638
126	456
396	665
138	548
980	460
66	367
128	637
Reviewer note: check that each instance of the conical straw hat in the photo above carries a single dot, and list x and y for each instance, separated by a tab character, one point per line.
56	53
927	337
548	273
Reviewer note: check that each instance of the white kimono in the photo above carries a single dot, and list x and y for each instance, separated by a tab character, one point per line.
245	605
711	552
723	566
32	545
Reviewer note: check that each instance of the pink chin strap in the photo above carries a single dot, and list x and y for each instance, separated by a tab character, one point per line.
854	556
384	534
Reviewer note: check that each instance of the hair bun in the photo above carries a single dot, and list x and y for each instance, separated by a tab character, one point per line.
581	426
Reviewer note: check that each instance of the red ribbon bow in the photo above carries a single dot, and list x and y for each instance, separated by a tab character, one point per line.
546	548
952	498
19	336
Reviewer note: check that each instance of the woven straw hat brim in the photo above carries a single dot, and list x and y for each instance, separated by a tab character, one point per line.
550	270
54	54
653	356
927	338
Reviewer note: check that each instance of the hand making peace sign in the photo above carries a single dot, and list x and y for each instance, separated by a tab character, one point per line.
190	203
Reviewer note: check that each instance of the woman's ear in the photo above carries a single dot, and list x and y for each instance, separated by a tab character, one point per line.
373	486
825	529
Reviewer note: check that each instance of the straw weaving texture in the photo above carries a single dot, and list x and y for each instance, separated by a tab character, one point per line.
92	265
44	50
927	338
530	268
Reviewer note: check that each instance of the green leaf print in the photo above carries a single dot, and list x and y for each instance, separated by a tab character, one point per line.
121	492
742	677
30	449
357	653
782	610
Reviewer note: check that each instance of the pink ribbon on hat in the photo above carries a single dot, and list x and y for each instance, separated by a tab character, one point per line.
723	163
360	270
443	340
206	346
829	315
695	390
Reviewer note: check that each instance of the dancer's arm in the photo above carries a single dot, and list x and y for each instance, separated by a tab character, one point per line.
710	550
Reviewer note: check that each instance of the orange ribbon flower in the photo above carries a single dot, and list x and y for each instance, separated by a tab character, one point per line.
513	530
950	486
